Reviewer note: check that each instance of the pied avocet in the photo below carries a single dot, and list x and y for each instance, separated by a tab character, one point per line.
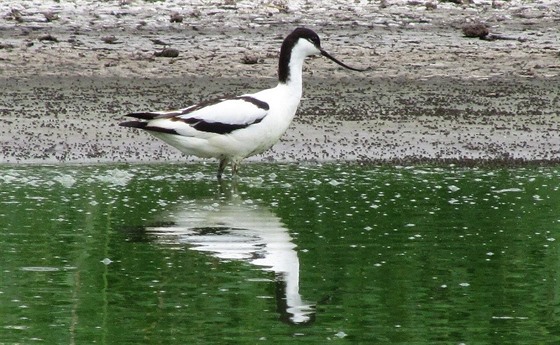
231	129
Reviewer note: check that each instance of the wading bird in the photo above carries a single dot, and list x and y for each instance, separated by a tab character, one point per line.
231	129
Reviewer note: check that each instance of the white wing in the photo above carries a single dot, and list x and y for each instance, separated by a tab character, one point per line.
241	110
219	116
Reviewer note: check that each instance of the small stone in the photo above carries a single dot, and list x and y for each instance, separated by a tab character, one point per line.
475	30
176	17
167	52
50	16
48	37
431	5
109	39
249	59
159	42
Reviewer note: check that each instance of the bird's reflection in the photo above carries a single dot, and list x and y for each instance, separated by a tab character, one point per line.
236	229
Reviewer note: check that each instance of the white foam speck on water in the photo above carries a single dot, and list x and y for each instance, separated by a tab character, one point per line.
334	183
16	327
9	178
198	175
40	269
255	181
65	180
14	177
507	317
341	335
508	190
453	188
116	177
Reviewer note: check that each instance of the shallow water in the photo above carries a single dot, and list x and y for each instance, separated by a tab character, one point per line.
352	254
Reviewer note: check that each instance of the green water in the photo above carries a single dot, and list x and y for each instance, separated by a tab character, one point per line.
162	254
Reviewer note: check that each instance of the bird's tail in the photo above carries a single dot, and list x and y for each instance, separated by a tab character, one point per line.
140	116
144	115
146	124
134	124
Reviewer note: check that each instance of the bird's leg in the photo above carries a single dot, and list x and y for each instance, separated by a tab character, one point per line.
234	169
221	168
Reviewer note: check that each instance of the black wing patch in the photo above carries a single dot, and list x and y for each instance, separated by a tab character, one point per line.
215	127
260	104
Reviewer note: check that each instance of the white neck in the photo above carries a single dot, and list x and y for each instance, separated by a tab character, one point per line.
295	79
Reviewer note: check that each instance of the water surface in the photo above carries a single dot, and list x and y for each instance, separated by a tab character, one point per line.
343	253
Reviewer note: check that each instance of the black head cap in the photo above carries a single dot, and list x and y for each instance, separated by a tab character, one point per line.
306	33
286	50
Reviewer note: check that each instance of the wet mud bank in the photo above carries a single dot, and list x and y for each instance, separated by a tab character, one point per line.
370	120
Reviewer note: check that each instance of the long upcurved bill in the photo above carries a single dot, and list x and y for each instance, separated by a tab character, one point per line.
325	54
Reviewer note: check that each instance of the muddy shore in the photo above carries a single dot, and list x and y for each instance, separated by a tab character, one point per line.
431	93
